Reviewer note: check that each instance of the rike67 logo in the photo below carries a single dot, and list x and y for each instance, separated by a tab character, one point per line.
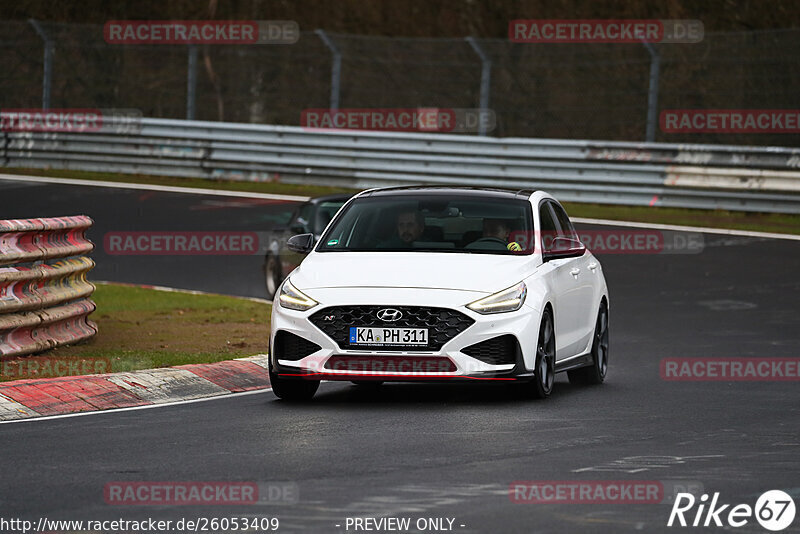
774	510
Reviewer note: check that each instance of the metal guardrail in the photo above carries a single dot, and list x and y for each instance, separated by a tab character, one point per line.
763	179
44	305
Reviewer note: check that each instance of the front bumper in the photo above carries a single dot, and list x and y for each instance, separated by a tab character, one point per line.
338	361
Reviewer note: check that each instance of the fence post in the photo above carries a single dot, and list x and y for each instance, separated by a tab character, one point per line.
47	78
652	92
191	82
486	73
336	70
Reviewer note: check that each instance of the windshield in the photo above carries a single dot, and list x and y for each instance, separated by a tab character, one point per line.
462	224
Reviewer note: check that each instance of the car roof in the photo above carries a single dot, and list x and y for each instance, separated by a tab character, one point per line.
449	190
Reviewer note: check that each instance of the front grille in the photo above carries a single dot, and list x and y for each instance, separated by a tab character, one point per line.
443	324
500	350
291	347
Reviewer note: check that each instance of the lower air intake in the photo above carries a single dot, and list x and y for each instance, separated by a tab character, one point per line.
291	347
501	350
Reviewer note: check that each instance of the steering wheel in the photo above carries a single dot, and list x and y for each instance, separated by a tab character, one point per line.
491	240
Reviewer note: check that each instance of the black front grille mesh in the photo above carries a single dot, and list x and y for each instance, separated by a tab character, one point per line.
291	347
499	350
443	324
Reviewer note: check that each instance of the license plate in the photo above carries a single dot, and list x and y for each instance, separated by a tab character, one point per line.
388	336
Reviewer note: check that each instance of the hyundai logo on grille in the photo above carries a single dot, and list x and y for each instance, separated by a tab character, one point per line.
389	315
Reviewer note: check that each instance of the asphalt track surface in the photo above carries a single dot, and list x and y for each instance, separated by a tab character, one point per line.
116	211
442	451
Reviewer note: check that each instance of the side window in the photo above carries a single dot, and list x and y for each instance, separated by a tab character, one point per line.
548	225
325	213
565	225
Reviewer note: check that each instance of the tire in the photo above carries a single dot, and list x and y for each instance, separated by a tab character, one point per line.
596	372
272	275
292	390
544	376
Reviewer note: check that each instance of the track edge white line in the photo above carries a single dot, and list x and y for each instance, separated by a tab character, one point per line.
680	228
151	187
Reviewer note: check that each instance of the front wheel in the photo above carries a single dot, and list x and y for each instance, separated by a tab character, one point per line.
292	390
544	375
596	372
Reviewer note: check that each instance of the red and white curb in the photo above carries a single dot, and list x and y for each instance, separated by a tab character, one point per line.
24	399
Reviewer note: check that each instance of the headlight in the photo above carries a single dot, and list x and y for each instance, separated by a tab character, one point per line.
507	300
294	299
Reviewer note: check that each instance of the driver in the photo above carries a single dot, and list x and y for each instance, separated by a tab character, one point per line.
410	224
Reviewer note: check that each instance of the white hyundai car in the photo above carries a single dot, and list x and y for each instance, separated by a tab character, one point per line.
441	284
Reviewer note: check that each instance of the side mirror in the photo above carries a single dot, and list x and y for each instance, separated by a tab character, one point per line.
564	247
302	244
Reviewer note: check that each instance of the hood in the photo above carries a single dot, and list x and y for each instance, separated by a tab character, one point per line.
486	273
